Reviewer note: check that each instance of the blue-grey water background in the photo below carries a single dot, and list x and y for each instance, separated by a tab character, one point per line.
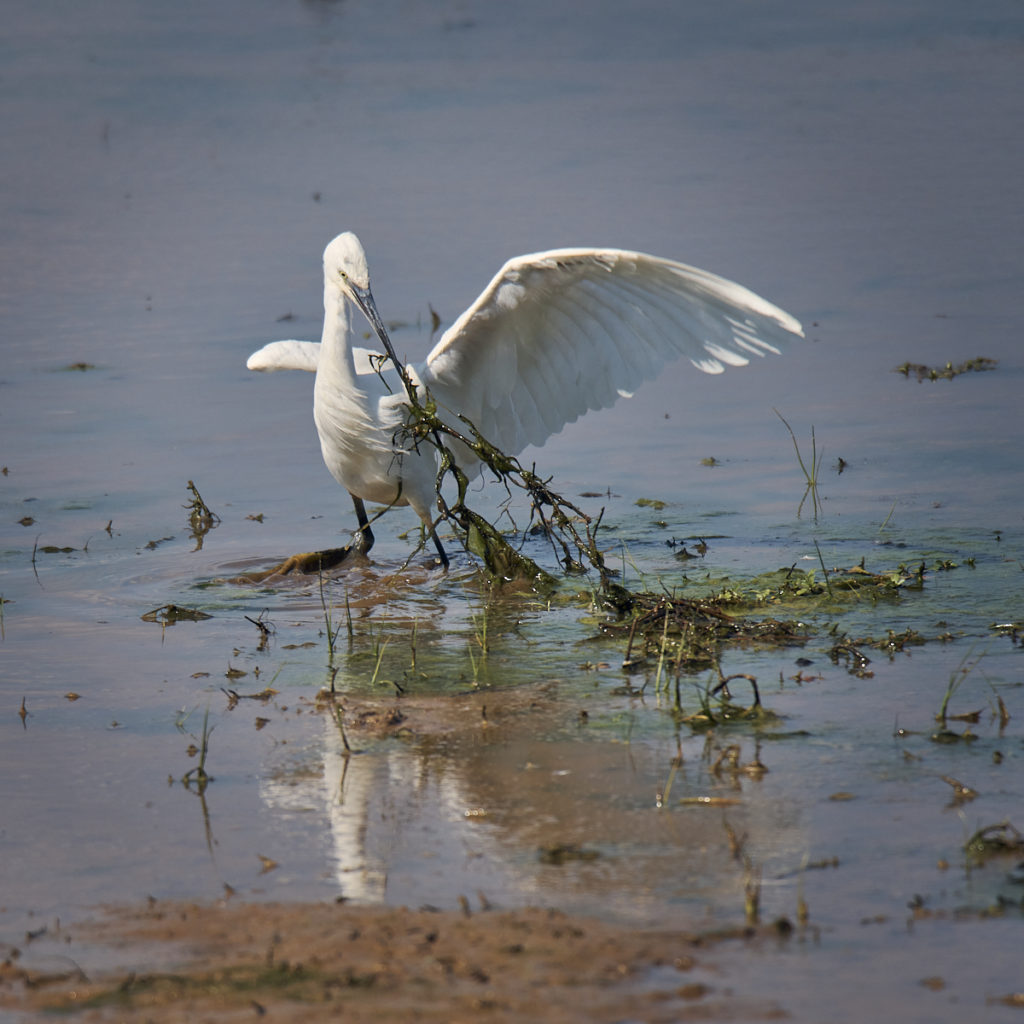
171	174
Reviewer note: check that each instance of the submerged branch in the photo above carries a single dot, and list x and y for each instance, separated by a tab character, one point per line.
572	533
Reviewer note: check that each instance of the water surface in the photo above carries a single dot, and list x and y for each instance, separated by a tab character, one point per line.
172	177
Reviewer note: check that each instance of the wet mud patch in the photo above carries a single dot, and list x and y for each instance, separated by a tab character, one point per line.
460	718
297	962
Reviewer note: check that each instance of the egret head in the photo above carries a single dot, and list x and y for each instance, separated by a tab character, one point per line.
345	269
345	264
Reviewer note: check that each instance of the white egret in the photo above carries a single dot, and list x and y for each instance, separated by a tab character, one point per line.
554	335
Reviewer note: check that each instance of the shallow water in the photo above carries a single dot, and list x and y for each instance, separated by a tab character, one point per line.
172	178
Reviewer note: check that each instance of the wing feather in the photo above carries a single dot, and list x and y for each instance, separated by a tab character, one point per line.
558	333
305	355
286	355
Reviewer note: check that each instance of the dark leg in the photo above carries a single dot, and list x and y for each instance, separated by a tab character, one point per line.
440	548
363	540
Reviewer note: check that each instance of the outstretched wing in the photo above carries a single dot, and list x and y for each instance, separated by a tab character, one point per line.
305	355
286	355
558	333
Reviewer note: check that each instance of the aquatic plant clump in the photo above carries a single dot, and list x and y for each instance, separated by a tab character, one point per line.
922	372
201	519
687	633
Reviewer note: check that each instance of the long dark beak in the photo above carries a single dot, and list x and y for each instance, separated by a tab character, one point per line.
363	298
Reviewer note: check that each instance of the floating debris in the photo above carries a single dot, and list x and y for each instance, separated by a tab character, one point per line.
563	853
169	614
234	697
947	372
961	793
994	841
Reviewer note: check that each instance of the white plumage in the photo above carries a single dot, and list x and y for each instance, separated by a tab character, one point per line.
554	335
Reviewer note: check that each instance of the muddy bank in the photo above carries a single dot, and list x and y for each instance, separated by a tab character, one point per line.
178	962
